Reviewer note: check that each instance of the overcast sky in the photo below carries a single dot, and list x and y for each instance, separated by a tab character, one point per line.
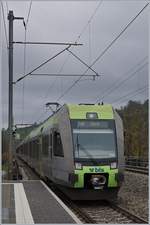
123	69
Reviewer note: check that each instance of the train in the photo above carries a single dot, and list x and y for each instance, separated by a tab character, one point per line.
80	149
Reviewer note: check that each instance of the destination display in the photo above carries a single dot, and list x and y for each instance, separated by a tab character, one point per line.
86	124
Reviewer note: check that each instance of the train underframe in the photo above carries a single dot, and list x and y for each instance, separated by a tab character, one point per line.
90	194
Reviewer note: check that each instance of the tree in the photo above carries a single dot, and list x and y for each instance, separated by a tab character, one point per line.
135	120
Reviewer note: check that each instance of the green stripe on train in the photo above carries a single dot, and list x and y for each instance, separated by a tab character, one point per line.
79	111
98	169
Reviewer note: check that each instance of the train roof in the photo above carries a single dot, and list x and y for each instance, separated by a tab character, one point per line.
75	111
79	111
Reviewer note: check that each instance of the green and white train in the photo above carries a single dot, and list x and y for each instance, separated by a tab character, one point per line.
80	148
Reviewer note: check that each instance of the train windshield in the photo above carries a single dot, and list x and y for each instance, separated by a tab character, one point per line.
96	141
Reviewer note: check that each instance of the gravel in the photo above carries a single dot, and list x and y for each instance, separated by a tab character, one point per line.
133	194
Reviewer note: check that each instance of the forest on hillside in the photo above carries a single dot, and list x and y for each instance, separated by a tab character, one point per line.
135	121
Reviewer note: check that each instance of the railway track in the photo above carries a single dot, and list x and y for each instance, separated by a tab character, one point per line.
93	212
27	172
96	212
137	169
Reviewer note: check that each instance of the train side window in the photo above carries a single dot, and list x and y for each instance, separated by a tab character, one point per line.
30	149
50	140
33	149
37	147
24	149
50	145
57	145
45	144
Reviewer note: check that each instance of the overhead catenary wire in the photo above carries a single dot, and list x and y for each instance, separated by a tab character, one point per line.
117	85
79	36
131	94
4	22
47	93
140	92
113	85
52	85
90	45
119	35
40	117
23	84
76	81
82	31
29	11
104	51
89	21
131	75
25	42
24	69
7	7
60	70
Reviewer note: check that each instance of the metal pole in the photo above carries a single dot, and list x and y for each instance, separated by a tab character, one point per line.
10	106
45	43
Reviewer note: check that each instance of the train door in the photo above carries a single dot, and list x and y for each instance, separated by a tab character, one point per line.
58	161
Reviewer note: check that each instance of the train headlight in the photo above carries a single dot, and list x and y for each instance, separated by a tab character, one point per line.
91	115
113	165
78	166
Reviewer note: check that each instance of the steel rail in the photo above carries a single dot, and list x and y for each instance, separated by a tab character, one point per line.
83	216
135	169
136	219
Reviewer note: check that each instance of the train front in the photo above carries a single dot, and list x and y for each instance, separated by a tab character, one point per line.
97	135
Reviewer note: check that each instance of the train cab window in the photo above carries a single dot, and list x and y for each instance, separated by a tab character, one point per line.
57	145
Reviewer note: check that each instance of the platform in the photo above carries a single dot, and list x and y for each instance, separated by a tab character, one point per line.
30	202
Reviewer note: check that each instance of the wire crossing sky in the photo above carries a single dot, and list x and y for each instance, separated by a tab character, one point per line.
25	49
105	50
115	40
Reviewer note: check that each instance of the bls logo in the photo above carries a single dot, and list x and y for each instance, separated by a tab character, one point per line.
96	170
